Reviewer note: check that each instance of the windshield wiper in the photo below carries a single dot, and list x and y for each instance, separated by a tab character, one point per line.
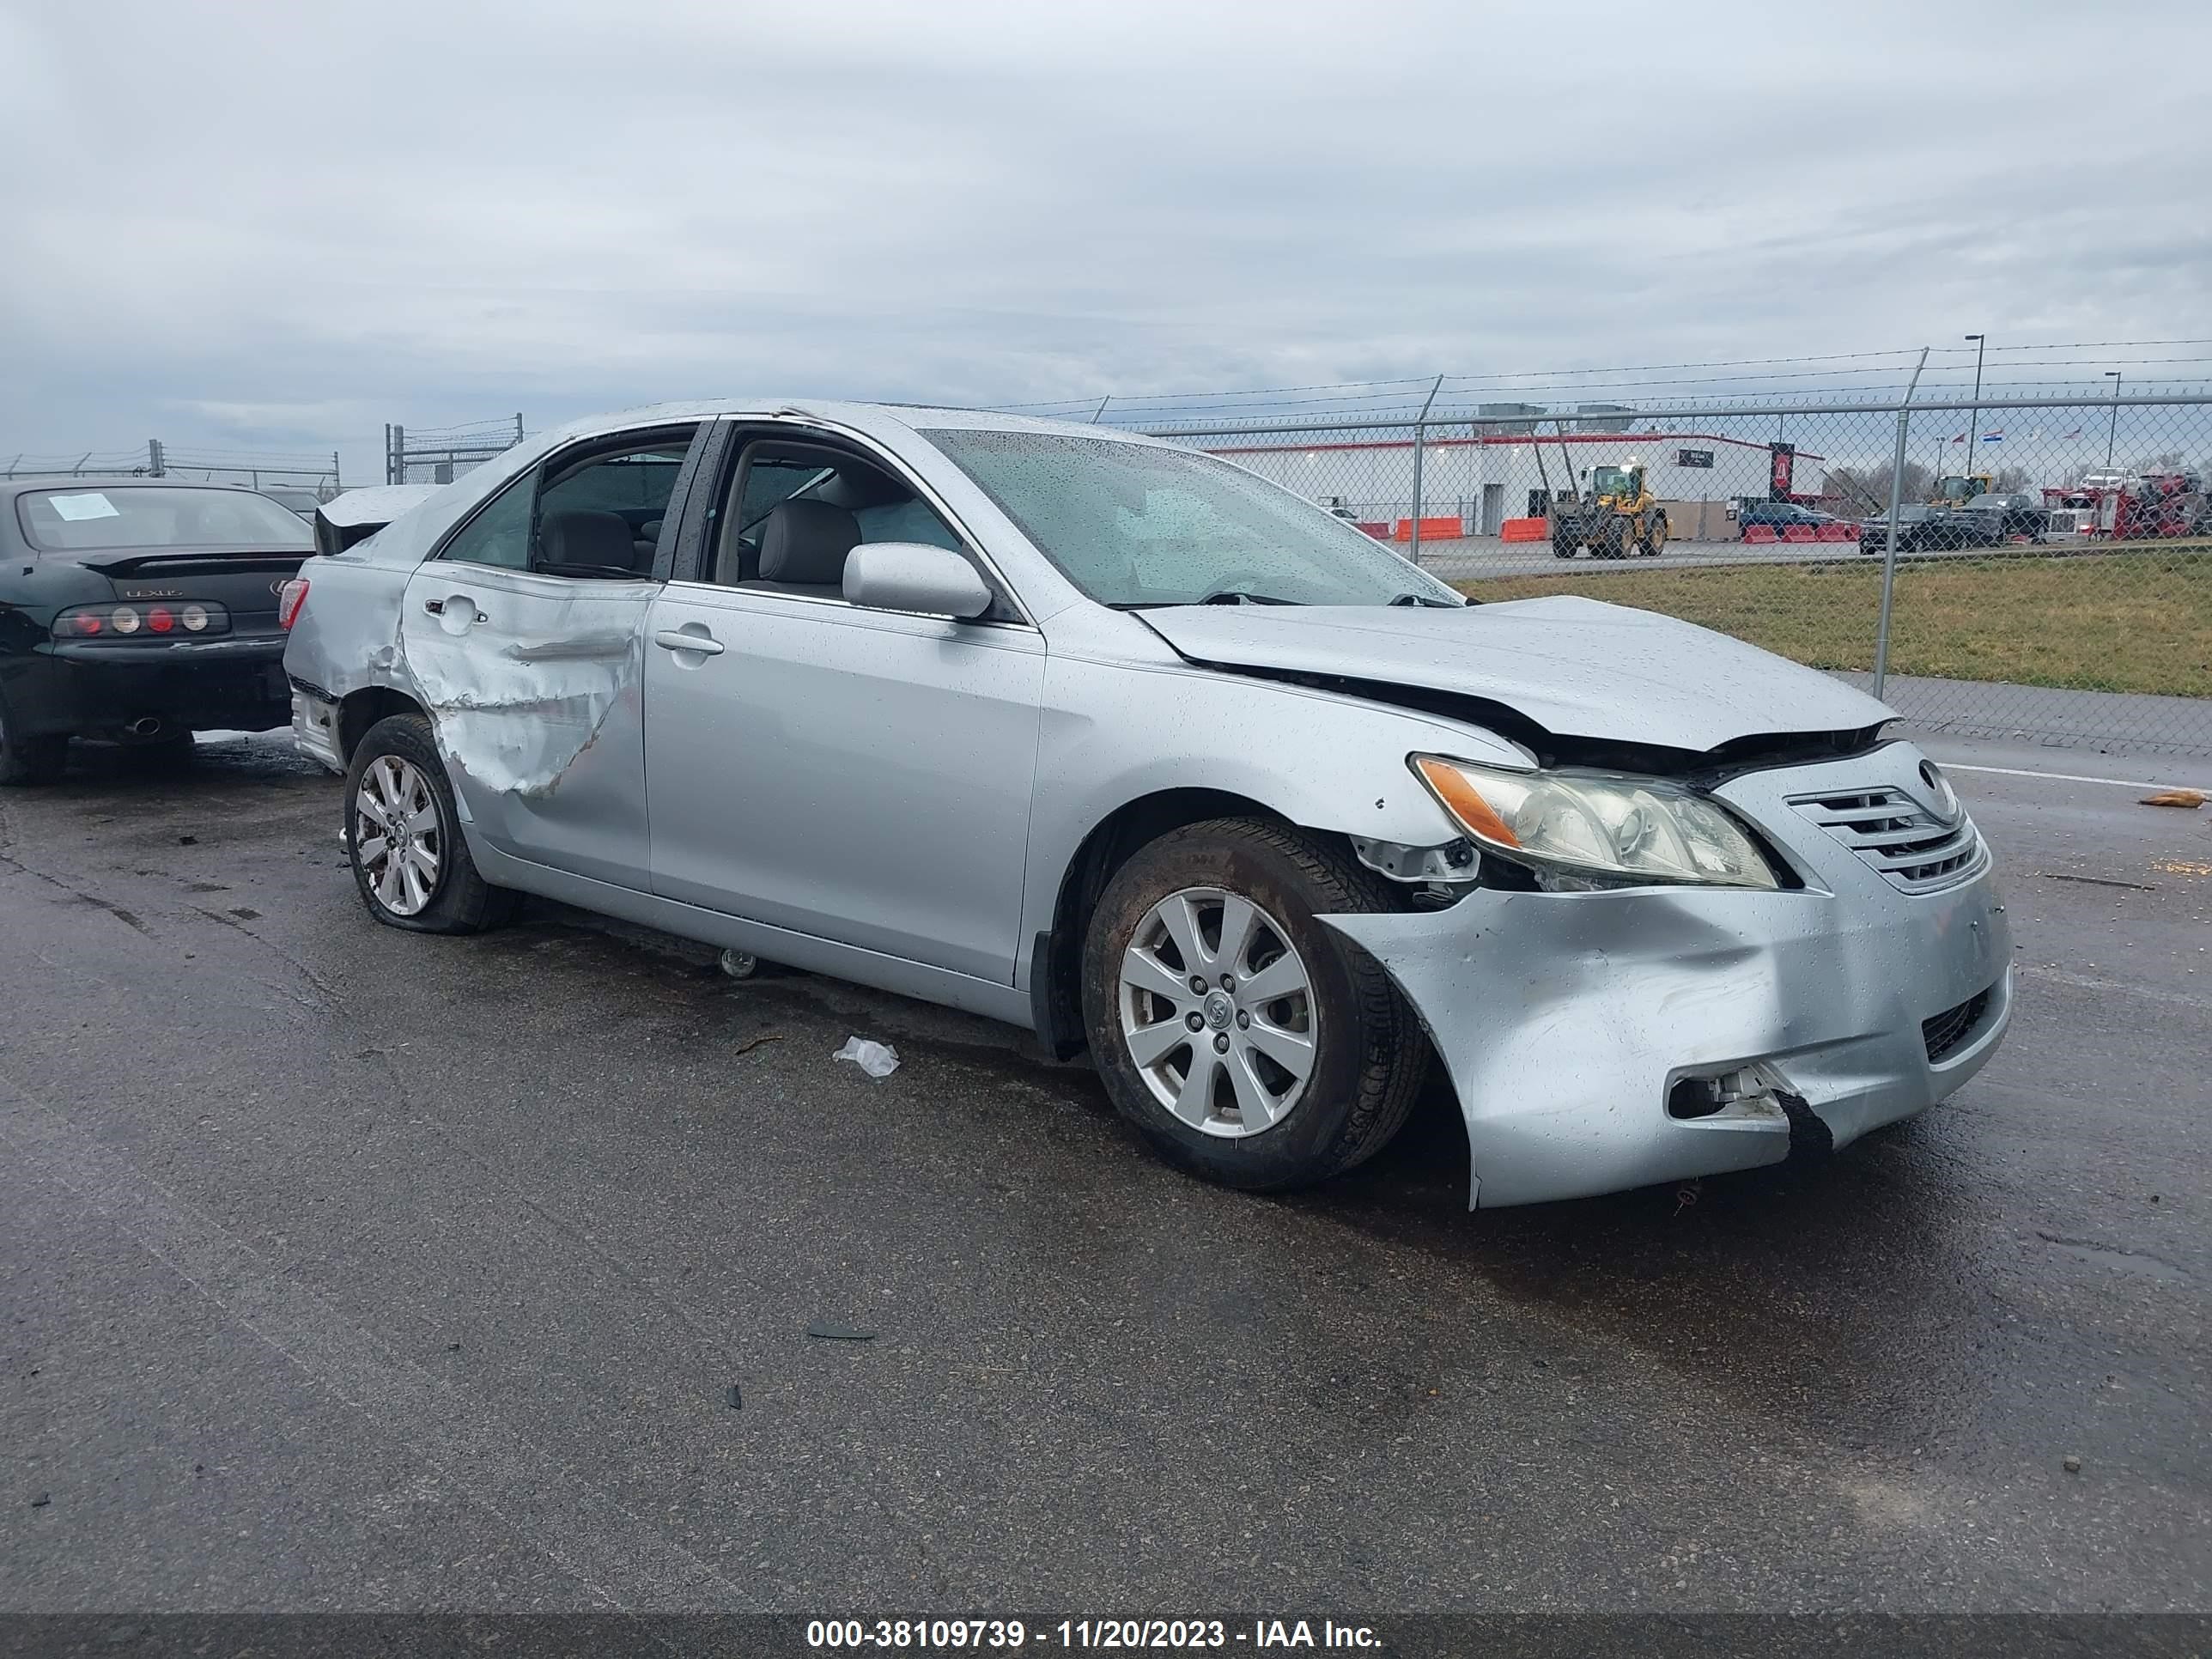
1238	596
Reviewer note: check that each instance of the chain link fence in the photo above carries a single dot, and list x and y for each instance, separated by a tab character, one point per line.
441	454
2036	569
316	476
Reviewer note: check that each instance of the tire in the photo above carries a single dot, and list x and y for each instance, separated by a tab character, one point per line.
1563	547
1615	544
27	761
450	898
1654	536
1366	1055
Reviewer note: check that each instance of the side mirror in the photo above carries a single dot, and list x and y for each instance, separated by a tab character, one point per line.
913	576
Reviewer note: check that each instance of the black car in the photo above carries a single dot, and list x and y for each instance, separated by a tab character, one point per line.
2010	514
1778	515
136	610
1929	530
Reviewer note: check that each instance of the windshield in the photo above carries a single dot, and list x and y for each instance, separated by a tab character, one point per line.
64	520
1611	481
1142	525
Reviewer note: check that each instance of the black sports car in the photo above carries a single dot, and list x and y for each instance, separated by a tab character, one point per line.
138	611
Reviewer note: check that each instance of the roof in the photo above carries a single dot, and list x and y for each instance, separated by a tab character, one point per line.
114	481
866	416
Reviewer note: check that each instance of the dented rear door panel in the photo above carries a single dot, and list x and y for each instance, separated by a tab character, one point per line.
533	685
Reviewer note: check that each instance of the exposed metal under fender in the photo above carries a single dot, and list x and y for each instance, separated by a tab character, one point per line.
1566	1019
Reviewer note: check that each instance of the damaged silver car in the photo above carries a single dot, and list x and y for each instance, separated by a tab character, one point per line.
1116	741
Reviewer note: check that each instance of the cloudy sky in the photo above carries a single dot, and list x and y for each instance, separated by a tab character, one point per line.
274	226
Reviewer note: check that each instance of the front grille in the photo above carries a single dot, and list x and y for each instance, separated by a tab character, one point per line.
1948	1031
1916	850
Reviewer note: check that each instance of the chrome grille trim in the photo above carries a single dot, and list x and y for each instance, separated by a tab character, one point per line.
1915	850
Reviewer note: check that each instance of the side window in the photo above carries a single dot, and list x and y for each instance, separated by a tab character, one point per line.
499	532
601	514
856	501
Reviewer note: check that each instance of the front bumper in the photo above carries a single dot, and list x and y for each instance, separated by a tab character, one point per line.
1566	1019
93	688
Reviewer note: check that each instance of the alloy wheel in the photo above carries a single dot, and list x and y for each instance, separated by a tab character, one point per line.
1218	1012
399	839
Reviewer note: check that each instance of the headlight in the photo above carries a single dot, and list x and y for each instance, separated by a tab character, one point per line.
1640	829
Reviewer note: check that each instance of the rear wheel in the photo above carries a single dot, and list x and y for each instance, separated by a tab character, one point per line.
1248	1042
1616	538
402	836
1562	545
29	760
1655	536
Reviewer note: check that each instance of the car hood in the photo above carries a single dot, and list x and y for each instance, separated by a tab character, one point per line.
1575	666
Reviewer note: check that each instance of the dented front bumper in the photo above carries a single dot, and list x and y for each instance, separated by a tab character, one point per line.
1566	1020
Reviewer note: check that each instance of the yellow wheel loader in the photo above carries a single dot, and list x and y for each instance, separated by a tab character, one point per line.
1616	515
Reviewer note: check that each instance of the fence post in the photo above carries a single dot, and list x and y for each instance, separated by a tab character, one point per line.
1420	446
395	454
337	477
1099	413
518	426
154	457
1896	502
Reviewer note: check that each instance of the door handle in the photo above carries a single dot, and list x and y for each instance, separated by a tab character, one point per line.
675	639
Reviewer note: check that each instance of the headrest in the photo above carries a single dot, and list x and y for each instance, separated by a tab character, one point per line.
583	536
806	541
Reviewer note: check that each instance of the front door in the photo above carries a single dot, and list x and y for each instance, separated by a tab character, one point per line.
857	775
524	636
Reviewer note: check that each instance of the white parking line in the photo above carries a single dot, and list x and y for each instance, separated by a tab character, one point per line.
2057	777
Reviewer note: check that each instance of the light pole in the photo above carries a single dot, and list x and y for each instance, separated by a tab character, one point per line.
1974	421
2112	437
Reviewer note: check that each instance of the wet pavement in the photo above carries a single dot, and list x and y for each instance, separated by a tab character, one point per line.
345	1268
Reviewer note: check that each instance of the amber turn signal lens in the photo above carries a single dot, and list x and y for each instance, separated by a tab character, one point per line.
1464	803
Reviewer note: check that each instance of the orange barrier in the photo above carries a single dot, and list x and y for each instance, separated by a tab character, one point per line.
1523	530
1836	532
1378	528
1798	532
1432	530
1759	533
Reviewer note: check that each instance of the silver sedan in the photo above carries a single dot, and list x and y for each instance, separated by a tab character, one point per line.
1116	741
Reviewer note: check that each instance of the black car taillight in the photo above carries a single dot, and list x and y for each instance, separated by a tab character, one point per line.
190	619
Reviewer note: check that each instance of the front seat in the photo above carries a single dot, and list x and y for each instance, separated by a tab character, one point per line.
584	542
803	548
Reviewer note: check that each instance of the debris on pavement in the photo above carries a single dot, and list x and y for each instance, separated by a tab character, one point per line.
747	1047
828	1332
42	1500
876	1059
2073	1464
739	965
737	1399
2184	798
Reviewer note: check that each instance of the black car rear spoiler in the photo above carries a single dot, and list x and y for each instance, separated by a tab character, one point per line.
360	513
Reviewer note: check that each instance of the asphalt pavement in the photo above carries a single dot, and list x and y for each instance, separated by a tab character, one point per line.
346	1269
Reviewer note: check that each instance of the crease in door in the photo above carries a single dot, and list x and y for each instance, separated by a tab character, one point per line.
517	717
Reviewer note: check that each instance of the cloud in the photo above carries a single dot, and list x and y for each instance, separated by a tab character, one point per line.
271	222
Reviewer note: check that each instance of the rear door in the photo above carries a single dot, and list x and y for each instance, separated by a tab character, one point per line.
523	632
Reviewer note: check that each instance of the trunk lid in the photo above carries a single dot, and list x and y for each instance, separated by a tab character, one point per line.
1574	666
244	580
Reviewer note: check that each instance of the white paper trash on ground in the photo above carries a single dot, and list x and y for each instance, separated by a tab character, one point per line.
876	1059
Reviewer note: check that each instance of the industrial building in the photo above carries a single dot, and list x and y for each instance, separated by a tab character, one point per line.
1499	473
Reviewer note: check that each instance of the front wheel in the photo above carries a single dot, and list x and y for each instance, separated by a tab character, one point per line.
1654	536
1563	547
403	840
1248	1042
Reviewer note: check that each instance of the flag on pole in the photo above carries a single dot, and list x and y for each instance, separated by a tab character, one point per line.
1996	437
2076	433
1961	439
